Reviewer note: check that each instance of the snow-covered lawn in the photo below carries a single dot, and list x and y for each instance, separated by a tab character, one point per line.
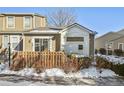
55	76
112	58
91	72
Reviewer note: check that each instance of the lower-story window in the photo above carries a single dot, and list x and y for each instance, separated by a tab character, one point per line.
41	44
80	47
120	46
14	41
6	41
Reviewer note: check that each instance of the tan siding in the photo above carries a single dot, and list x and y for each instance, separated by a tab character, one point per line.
44	22
100	42
1	23
28	44
0	40
18	24
58	42
40	22
115	42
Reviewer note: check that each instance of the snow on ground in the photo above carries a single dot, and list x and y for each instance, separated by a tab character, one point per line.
2	66
112	58
53	72
23	83
92	72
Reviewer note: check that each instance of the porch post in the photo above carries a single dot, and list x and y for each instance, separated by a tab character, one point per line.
9	51
50	44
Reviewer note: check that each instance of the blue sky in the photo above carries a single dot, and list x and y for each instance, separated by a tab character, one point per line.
98	19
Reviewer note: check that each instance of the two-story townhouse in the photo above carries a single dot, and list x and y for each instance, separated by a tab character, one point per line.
29	32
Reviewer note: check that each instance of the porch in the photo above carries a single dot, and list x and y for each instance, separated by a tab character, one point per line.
31	41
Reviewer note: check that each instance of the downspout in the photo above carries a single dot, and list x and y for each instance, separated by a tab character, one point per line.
94	45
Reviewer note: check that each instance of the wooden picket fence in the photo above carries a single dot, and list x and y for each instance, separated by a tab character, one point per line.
42	60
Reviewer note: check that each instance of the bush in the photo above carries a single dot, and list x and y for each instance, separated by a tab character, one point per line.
71	65
118	69
96	51
84	62
118	52
110	52
104	63
102	51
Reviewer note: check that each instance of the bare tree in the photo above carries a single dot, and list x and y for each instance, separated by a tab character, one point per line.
61	17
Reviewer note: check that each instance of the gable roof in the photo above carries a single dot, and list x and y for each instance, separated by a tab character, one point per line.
110	33
121	31
117	38
76	24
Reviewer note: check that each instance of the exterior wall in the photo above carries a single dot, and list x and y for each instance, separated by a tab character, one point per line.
57	42
72	47
101	41
1	22
0	40
19	26
40	22
19	22
28	42
115	43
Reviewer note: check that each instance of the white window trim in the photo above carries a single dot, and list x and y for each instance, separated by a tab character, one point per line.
24	22
122	45
7	22
3	40
44	37
10	38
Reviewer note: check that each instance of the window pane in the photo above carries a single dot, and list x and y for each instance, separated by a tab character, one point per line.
80	47
36	40
45	43
10	21
14	45
121	46
15	39
6	41
27	21
75	38
37	47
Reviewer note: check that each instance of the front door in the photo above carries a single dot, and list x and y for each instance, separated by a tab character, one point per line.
13	39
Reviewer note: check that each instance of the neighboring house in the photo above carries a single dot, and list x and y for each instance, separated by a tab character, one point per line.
111	41
29	32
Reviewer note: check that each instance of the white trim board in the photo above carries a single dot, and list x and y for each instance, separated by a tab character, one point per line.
122	45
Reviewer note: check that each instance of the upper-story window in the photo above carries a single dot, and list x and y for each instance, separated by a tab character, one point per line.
27	22
10	22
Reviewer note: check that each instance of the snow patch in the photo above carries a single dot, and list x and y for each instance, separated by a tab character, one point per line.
26	72
107	73
92	72
53	72
2	66
113	59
